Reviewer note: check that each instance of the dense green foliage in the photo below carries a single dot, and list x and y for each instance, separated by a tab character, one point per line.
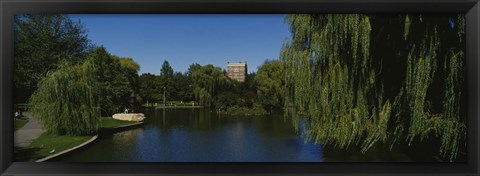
71	81
239	110
270	81
151	89
177	86
182	88
167	80
115	81
71	98
67	100
41	43
130	69
209	86
362	79
208	82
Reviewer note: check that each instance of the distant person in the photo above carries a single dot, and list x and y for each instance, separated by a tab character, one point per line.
18	114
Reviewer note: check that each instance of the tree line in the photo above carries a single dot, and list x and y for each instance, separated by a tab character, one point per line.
209	86
69	83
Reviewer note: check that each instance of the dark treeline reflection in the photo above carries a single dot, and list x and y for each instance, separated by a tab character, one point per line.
207	120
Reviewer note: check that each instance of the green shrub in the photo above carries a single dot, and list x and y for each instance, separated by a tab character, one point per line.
255	110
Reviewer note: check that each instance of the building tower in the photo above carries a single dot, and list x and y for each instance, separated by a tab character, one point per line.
237	71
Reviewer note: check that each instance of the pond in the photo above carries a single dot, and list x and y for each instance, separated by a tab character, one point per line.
199	135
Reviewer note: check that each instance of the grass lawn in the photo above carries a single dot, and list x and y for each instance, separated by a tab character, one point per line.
109	122
20	123
43	145
46	143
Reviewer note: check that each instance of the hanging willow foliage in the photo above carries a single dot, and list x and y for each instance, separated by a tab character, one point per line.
206	81
66	102
332	82
452	127
420	72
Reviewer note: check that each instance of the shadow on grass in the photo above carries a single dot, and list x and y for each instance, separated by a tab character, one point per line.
26	154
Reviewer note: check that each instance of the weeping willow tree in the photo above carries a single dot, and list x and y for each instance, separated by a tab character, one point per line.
423	111
66	101
207	82
330	80
336	81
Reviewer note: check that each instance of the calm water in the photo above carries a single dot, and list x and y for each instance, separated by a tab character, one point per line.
198	135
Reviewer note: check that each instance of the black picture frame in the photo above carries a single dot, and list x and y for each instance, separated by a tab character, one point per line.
8	8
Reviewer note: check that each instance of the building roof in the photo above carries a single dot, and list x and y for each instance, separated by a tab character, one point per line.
237	64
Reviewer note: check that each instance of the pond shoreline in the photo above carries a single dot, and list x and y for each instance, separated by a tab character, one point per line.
102	131
121	128
69	150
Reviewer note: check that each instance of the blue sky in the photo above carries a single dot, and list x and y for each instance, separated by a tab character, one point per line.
186	39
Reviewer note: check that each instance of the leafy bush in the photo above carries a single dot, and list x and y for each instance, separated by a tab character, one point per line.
255	110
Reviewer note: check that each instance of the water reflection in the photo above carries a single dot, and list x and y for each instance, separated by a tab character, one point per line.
199	135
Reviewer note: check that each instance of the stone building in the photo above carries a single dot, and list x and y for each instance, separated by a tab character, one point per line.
237	71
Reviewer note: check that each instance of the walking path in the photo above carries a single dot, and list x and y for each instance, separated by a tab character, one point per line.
25	135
